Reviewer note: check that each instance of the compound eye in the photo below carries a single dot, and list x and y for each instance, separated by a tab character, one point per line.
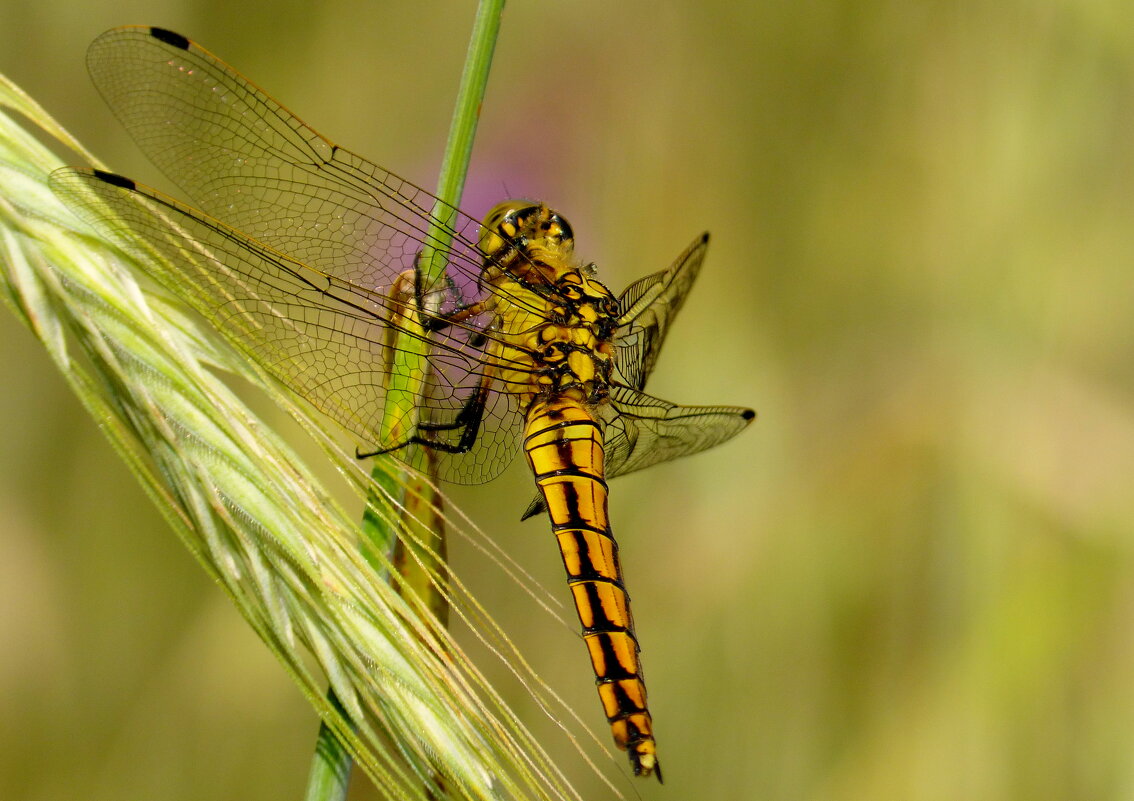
564	228
502	227
518	215
508	228
504	222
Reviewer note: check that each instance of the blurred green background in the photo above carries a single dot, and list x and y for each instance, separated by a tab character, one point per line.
912	579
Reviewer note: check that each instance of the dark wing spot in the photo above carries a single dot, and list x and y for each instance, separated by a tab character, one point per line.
114	179
170	38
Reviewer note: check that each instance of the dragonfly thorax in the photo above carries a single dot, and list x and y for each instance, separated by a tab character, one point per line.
550	307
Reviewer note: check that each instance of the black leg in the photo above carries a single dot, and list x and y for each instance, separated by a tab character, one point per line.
468	421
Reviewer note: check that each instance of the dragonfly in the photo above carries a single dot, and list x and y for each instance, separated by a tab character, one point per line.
442	340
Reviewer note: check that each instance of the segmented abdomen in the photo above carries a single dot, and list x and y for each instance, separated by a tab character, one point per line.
564	447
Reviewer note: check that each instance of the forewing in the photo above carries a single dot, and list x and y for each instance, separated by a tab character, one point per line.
640	431
247	161
648	308
325	338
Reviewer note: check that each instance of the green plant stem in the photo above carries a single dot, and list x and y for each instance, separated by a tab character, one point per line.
466	115
331	766
330	770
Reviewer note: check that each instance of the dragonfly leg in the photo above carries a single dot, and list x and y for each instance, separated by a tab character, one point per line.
468	421
406	294
440	322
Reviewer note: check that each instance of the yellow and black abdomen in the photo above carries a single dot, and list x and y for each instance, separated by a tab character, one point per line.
564	447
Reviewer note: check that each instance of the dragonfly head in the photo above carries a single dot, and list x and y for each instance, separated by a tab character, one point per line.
522	224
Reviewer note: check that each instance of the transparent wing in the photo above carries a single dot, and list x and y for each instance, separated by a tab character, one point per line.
326	338
648	307
247	161
641	431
